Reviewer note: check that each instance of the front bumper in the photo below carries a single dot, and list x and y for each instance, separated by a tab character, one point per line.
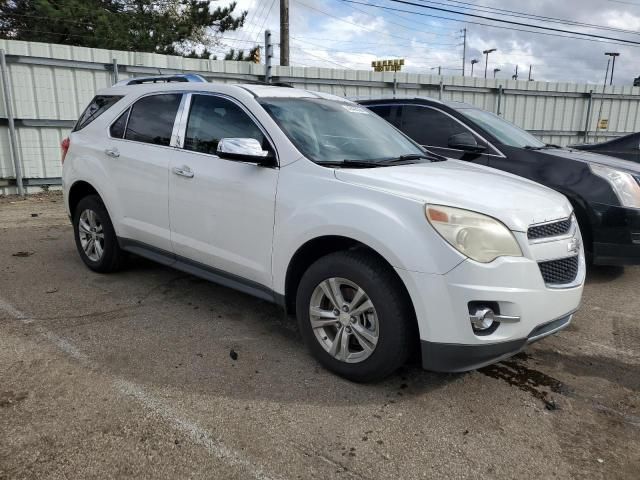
451	357
513	284
616	235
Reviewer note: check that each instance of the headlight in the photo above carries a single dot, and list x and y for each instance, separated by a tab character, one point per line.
477	236
624	184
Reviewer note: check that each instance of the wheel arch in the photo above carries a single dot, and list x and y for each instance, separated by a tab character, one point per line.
318	247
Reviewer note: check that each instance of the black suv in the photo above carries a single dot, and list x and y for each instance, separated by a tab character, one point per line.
604	191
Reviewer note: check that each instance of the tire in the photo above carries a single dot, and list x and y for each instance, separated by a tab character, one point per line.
91	212
391	318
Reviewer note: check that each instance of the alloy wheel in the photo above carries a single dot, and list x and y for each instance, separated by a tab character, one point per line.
91	235
344	320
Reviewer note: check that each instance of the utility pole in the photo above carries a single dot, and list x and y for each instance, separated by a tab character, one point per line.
268	56
515	77
464	49
530	67
284	33
606	73
473	62
486	61
613	65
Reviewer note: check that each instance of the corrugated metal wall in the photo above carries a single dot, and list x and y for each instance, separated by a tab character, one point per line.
51	85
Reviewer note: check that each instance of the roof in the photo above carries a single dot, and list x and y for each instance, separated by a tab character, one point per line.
417	101
256	90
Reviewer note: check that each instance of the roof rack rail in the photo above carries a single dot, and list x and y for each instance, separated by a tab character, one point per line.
179	77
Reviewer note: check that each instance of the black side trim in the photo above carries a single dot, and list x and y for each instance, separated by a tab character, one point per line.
200	270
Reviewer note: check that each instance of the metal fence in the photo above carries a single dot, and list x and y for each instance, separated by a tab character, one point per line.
47	86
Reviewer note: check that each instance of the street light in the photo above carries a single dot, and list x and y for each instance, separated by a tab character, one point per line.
613	66
473	62
486	62
439	69
495	70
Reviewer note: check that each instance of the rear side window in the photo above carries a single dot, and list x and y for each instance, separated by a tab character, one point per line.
99	105
212	118
152	118
391	113
118	127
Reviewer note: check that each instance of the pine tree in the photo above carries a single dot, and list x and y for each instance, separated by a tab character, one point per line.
172	27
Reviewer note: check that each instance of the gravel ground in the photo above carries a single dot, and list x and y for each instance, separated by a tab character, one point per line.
130	376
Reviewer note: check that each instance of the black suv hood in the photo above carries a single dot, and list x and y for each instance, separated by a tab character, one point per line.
589	157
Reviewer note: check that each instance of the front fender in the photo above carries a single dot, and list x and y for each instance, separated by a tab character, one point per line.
321	205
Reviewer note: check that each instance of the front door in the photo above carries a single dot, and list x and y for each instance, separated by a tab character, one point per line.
221	211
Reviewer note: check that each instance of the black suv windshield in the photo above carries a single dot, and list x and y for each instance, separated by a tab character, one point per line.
329	131
505	132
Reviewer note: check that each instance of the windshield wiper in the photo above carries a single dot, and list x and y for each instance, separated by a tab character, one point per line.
348	163
531	147
411	158
552	145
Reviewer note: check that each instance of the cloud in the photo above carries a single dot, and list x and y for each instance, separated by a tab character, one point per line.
330	33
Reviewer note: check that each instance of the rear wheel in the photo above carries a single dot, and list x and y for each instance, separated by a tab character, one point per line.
354	316
95	236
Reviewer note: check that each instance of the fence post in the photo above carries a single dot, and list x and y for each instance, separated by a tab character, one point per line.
8	105
441	90
499	99
588	119
114	74
268	55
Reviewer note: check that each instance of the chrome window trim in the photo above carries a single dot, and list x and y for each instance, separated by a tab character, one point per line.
182	132
498	153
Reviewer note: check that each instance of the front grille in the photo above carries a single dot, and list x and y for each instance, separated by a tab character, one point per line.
559	272
554	229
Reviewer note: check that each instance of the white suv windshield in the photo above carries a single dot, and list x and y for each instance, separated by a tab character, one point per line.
328	131
505	132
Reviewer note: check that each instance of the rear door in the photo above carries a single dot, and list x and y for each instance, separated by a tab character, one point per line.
222	211
138	153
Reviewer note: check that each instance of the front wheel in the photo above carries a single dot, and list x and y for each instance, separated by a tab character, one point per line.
354	316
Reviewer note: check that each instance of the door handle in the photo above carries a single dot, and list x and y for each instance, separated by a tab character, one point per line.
183	171
112	152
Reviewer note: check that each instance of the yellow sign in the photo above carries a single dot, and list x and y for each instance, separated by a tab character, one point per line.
388	65
604	124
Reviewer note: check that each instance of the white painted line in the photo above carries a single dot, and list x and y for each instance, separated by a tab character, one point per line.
197	434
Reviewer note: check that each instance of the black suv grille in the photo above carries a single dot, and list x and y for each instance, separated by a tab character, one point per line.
559	272
549	229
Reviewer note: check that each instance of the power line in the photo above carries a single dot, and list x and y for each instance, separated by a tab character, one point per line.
384	7
532	16
510	22
360	26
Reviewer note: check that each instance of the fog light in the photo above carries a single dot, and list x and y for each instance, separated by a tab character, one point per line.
482	319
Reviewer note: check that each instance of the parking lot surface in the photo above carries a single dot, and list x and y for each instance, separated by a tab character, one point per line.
152	373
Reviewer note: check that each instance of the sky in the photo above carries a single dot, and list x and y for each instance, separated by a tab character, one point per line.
342	34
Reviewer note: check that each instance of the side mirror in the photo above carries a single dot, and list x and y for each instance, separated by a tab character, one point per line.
465	141
244	149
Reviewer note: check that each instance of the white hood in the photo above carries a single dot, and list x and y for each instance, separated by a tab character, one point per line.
515	201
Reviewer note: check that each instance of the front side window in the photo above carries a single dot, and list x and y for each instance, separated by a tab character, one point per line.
505	132
99	105
332	131
213	118
429	127
152	118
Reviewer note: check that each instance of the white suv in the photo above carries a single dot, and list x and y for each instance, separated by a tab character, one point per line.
315	203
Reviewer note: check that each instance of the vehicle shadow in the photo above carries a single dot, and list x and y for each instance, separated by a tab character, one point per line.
598	274
197	325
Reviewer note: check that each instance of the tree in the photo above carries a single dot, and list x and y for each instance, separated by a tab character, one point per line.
172	27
